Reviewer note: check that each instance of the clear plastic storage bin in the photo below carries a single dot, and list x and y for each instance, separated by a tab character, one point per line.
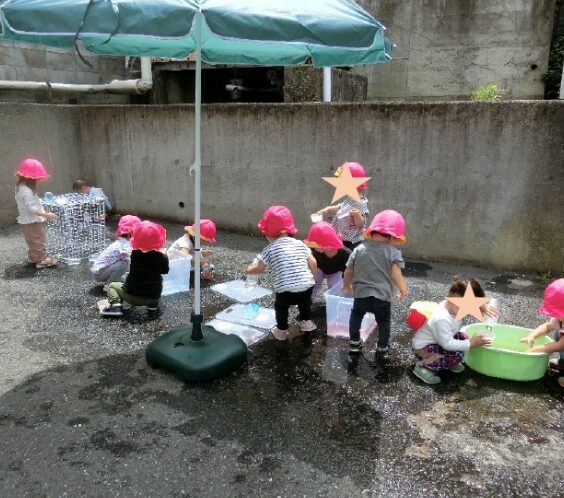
178	277
339	306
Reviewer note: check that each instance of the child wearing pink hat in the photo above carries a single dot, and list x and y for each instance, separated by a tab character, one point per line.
292	267
144	283
184	246
350	216
330	255
112	263
552	306
373	270
31	213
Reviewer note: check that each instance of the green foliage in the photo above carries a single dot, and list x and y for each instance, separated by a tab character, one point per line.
548	276
487	93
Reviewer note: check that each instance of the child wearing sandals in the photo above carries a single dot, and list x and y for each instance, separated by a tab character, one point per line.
31	213
144	283
439	344
292	267
552	306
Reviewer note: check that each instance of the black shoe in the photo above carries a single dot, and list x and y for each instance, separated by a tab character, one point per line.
355	347
112	310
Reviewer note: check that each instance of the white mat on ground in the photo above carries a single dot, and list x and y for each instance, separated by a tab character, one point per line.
249	334
251	315
235	289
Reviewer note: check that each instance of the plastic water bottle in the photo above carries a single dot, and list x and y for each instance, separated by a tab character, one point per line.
490	321
251	311
206	271
252	279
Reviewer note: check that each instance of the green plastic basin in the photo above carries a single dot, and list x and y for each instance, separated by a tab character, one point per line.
506	358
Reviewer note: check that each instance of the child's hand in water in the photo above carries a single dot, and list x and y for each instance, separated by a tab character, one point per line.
529	340
480	340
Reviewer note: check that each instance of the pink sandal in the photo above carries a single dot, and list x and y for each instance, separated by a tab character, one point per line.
46	263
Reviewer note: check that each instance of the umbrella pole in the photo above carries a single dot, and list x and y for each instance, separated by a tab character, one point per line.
196	317
201	353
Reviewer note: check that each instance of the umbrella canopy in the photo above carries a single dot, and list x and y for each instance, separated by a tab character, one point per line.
266	32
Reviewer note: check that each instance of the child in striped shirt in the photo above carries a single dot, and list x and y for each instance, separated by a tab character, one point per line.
292	267
350	216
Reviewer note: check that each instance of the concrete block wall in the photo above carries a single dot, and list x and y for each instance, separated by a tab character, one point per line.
477	182
48	133
447	49
26	62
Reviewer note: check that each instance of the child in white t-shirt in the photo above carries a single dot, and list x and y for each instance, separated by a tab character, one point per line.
112	263
439	344
292	267
184	246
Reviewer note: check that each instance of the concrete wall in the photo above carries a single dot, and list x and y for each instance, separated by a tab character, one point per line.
25	62
476	182
447	49
48	133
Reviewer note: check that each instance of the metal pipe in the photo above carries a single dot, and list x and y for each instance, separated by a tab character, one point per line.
137	87
327	84
116	86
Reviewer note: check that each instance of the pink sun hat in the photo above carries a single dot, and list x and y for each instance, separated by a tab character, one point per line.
322	235
207	230
553	303
127	224
148	236
277	220
388	222
356	169
32	169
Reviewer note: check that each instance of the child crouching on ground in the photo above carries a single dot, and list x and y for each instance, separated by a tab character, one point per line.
144	283
438	344
292	267
330	255
552	306
373	269
184	246
112	263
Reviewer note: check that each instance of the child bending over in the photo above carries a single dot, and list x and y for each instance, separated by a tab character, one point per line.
292	267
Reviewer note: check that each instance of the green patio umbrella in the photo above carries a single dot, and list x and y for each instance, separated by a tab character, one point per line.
239	32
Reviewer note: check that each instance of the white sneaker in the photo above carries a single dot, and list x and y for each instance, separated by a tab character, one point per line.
279	334
457	368
307	326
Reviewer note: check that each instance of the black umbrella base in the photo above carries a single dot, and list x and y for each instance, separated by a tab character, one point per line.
214	356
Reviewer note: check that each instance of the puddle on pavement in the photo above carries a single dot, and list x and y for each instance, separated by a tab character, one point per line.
18	272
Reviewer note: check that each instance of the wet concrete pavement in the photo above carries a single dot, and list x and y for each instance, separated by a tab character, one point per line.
82	414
